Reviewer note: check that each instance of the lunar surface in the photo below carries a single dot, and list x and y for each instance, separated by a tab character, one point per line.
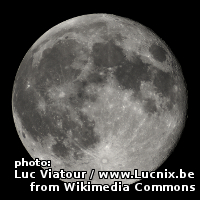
99	92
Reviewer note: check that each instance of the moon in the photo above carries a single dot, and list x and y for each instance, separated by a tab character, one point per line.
99	92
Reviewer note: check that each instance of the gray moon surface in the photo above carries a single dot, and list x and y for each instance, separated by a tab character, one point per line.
99	92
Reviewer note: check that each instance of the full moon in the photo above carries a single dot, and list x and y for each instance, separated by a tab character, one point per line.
99	92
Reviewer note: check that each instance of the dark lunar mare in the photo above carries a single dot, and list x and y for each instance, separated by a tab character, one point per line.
130	73
107	55
150	106
51	72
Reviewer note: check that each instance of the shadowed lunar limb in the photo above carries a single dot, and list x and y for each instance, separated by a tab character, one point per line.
90	96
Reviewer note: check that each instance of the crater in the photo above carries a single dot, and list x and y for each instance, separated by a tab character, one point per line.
104	160
158	53
23	135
